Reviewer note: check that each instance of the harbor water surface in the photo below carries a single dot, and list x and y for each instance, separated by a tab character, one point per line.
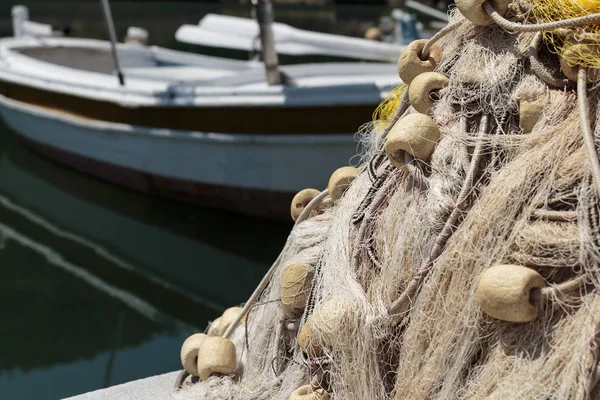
101	285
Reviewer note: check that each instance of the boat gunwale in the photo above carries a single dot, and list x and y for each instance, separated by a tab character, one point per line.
171	134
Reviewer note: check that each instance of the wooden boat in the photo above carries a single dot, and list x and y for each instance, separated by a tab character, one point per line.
199	129
225	31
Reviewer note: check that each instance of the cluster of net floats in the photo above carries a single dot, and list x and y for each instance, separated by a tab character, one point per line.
506	292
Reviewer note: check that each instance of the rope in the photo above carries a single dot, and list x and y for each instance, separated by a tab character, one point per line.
538	68
464	151
359	242
400	306
548	26
591	213
565	287
372	166
310	304
592	155
277	340
594	372
588	135
359	214
181	377
559	216
440	34
372	254
553	261
312	294
375	162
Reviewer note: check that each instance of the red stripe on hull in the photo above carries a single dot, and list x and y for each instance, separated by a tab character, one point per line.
254	202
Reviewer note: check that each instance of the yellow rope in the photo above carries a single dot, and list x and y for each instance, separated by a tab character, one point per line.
556	10
384	111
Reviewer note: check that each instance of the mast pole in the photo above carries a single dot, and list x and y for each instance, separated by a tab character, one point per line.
264	17
110	27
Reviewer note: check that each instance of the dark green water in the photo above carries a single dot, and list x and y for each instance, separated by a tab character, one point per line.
100	285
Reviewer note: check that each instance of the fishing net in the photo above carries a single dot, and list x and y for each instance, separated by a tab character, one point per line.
560	40
461	262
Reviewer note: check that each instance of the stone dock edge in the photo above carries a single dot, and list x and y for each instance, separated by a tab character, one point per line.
159	387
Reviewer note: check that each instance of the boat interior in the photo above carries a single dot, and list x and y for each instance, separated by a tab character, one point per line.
34	44
136	61
165	65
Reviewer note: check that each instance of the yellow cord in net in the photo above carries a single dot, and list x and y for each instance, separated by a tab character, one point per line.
556	10
384	111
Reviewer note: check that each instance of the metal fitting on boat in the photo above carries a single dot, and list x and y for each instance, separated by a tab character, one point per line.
415	136
296	280
422	91
579	51
306	393
220	325
473	10
510	293
412	63
530	111
340	181
301	200
216	355
189	353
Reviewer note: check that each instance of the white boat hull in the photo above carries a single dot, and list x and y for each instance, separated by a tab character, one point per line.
195	128
239	172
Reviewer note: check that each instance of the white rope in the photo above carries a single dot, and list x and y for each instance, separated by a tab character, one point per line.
443	32
538	68
586	129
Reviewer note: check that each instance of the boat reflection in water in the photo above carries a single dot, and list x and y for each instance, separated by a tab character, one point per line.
100	285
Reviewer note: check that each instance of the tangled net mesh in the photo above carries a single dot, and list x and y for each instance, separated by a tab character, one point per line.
392	305
554	10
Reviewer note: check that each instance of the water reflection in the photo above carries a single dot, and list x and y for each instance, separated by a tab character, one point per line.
100	285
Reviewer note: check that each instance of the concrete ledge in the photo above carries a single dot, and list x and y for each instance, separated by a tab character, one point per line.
159	387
